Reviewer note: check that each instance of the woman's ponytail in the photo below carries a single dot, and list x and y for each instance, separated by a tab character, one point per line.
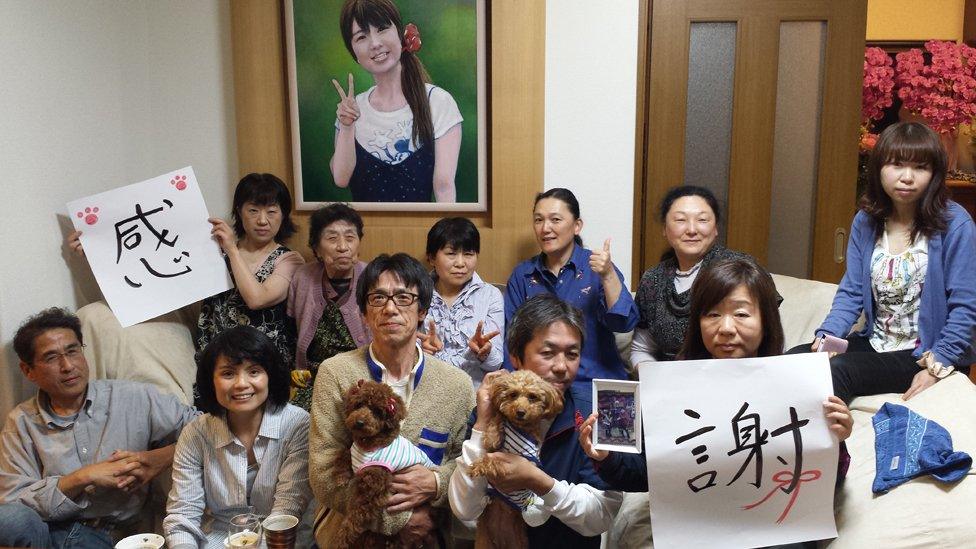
413	80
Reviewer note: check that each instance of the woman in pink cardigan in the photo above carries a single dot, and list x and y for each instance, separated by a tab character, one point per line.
321	296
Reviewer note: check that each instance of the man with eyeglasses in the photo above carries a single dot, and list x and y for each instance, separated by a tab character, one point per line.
76	458
393	293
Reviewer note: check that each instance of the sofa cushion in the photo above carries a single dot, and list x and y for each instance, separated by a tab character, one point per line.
805	306
158	351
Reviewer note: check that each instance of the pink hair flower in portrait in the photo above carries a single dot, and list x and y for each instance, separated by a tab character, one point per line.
411	38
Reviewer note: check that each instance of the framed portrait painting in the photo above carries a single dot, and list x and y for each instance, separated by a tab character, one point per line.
387	103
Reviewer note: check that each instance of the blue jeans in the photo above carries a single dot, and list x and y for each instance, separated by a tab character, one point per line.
21	526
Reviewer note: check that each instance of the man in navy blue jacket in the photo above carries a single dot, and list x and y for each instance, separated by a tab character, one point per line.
546	337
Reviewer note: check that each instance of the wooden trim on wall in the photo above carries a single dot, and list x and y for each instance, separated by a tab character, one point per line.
837	168
516	138
639	261
969	23
753	122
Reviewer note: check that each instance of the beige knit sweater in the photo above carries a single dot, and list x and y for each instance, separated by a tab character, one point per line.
442	403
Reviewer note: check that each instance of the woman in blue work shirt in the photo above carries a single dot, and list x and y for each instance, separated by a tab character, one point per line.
585	278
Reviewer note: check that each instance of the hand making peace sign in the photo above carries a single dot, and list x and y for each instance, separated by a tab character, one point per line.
348	110
429	342
481	344
600	260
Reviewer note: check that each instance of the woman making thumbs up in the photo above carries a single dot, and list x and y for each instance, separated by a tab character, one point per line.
466	316
399	140
587	279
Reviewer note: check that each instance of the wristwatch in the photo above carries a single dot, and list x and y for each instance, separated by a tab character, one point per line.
935	368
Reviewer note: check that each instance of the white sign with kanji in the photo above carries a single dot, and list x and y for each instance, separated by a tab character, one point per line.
149	246
738	451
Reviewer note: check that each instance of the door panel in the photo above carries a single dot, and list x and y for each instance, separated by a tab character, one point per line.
822	119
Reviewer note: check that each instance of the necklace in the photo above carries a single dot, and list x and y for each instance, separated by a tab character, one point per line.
678	273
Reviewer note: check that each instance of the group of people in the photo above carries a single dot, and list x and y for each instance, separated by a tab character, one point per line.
278	351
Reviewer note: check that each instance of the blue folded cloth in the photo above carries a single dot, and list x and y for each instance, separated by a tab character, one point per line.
908	445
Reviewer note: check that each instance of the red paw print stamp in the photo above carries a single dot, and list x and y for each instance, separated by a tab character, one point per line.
179	182
90	215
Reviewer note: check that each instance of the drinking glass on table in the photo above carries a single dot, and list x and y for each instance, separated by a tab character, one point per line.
244	531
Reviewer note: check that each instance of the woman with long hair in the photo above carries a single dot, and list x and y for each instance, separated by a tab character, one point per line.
399	140
911	270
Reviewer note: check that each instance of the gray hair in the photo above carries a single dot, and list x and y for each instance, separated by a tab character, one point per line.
536	313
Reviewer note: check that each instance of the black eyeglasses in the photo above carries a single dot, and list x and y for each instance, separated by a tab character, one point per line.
72	353
400	299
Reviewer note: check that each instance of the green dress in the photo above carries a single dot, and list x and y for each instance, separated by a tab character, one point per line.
331	338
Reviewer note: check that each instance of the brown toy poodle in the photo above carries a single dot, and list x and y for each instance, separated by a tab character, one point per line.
522	402
373	413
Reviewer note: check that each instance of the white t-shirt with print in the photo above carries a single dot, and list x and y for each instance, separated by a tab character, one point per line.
896	284
387	134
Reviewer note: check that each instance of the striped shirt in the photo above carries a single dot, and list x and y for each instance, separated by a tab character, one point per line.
521	444
400	454
456	324
210	472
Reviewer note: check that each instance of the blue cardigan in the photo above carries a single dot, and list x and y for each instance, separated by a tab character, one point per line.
947	314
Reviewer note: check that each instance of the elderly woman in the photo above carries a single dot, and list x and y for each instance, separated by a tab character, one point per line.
690	216
321	296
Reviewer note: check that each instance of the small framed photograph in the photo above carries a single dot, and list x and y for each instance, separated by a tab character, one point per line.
618	423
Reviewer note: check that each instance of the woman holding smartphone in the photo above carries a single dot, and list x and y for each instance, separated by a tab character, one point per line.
911	269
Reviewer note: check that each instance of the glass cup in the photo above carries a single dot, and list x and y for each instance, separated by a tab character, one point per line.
244	531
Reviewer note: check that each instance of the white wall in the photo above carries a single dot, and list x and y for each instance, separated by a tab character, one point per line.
95	95
591	102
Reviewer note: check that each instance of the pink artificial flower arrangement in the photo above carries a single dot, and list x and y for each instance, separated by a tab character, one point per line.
879	81
944	91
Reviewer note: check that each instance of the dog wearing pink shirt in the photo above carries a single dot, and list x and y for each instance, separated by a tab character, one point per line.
372	415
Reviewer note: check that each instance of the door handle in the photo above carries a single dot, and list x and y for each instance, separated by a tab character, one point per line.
840	237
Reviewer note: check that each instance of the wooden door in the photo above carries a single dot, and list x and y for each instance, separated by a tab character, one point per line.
779	125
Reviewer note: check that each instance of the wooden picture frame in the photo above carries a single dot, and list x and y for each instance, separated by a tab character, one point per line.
316	54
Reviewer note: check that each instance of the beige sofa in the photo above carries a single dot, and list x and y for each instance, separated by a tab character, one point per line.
920	513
